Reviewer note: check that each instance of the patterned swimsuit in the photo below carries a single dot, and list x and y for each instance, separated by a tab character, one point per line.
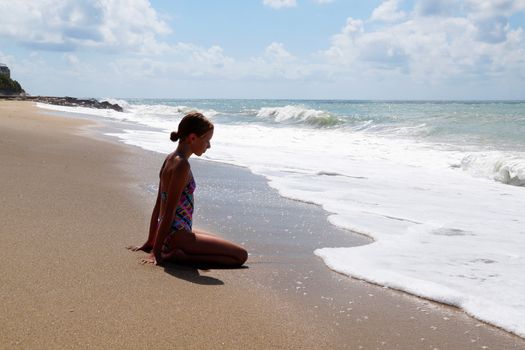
183	215
184	212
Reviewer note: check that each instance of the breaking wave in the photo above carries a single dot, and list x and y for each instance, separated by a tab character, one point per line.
299	115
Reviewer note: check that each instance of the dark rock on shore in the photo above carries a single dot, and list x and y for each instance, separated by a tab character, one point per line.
67	101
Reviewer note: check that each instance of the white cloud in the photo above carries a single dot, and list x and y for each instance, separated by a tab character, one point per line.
432	47
495	7
67	25
189	62
6	59
387	12
277	52
485	8
344	42
438	8
183	60
277	4
491	18
79	69
277	63
71	59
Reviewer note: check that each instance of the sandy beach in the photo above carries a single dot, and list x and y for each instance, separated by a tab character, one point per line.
71	201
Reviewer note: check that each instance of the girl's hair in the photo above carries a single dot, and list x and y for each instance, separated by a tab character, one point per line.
192	123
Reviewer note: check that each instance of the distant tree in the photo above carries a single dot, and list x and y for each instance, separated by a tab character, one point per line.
9	86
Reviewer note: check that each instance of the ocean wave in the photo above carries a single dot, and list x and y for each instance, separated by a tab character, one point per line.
122	103
159	109
363	126
504	168
301	115
401	130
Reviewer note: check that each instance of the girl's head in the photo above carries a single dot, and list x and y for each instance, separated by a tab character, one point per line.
196	130
192	123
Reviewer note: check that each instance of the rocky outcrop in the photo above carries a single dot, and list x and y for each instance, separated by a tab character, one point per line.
76	102
9	86
67	101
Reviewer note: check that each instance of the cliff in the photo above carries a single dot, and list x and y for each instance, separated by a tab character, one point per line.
9	86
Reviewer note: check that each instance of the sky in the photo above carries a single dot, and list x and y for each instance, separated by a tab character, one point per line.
285	49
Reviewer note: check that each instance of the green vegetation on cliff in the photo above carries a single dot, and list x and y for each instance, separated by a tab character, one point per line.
9	86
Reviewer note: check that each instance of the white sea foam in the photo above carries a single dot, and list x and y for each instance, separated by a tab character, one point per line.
82	110
439	232
122	103
155	116
508	169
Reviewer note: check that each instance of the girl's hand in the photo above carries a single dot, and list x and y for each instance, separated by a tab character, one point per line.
150	259
145	247
157	255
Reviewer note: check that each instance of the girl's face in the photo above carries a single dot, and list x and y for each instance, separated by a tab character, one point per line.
200	144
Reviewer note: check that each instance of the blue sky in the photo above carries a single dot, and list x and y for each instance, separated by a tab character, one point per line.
305	49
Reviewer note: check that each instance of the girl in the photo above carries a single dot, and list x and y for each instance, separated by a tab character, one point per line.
171	236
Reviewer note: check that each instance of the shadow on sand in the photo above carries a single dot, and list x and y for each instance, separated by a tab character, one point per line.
191	273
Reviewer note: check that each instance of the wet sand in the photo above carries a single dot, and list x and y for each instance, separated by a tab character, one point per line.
71	202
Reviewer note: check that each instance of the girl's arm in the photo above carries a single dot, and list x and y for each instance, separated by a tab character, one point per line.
153	225
152	229
175	180
154	221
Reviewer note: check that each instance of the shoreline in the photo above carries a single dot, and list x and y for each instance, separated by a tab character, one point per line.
64	101
277	263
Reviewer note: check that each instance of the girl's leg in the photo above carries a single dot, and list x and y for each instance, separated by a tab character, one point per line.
197	247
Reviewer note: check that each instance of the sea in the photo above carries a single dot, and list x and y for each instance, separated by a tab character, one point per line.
438	185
